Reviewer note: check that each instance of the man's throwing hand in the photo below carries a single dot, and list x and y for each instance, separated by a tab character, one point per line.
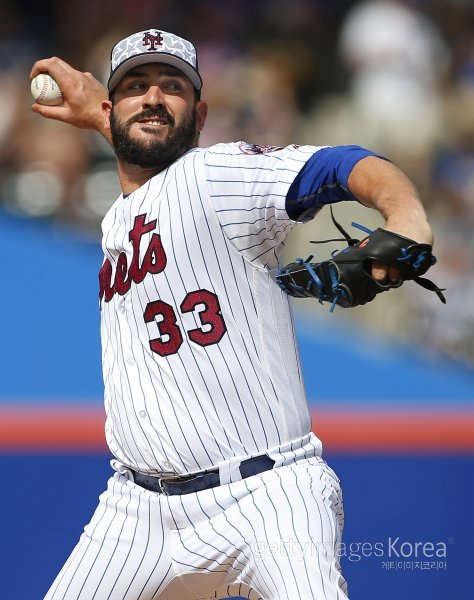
83	95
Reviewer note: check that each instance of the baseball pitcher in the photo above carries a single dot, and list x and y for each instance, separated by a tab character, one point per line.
219	487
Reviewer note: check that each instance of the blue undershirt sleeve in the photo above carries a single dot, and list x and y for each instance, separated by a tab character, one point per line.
323	180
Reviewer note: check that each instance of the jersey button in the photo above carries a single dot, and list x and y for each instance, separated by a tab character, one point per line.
142	414
130	360
167	465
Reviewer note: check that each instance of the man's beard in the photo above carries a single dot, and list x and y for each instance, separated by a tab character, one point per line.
152	154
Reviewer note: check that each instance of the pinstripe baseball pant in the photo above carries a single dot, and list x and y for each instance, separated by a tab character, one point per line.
271	536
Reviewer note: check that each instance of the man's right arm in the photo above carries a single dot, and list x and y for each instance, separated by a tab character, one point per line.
83	96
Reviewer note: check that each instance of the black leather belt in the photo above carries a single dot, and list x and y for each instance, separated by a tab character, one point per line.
187	484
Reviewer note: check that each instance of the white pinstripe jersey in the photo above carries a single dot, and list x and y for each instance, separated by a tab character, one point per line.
199	355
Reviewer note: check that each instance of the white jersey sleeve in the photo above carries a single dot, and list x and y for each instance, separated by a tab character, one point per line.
248	185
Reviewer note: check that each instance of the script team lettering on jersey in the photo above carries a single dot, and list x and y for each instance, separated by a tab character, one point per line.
154	262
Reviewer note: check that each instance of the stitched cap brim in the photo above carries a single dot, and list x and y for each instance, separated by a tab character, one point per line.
157	57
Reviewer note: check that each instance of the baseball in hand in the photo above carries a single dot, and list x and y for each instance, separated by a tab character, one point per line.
45	90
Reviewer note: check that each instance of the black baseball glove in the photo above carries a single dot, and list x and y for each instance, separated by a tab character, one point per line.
346	280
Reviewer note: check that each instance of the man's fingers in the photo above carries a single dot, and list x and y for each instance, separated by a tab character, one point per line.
54	66
50	112
393	274
65	76
384	273
379	271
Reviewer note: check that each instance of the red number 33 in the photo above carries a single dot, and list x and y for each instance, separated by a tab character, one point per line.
212	325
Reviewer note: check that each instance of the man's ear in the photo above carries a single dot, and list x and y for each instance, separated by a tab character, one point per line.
106	111
201	114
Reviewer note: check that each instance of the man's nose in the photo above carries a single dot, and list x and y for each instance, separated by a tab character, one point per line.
153	96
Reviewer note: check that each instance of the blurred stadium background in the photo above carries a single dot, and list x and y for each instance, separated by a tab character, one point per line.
391	385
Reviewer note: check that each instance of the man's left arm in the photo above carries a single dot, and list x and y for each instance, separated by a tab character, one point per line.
379	184
398	252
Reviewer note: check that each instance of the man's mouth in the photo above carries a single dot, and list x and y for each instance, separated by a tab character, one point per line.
154	122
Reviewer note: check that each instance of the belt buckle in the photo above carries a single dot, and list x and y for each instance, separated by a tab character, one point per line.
174	485
171	477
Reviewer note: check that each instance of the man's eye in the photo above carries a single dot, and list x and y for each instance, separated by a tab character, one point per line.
136	85
173	86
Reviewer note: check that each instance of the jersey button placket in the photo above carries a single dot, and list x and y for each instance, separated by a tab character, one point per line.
120	304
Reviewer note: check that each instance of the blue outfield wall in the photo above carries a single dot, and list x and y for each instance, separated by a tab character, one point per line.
401	508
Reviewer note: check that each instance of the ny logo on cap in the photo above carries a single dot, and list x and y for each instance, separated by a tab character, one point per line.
149	39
